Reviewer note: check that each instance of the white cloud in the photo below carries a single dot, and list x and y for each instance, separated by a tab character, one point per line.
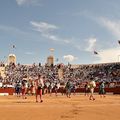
109	55
69	58
28	2
91	44
43	26
20	2
112	26
46	30
51	37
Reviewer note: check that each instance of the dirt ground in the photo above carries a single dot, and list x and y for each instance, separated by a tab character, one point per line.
77	107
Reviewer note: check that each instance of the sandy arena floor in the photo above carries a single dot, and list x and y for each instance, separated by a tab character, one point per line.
77	107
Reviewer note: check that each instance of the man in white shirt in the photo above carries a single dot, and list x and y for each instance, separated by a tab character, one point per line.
92	85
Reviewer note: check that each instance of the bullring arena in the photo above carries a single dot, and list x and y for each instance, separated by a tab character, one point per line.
60	107
78	107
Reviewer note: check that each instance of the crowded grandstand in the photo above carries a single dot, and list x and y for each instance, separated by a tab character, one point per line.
77	74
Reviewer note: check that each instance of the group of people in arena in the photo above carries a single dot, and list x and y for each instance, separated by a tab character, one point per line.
72	78
35	88
21	87
39	87
89	88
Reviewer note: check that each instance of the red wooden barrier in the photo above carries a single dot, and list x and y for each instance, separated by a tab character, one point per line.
115	90
10	91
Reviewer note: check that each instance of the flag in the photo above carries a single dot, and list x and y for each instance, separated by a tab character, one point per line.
119	41
95	52
13	46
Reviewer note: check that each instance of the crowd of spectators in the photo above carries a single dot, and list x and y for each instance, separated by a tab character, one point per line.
109	72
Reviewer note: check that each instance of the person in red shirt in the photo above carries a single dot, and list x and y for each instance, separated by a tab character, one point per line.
39	86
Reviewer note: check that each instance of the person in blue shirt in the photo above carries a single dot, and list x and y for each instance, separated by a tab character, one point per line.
68	88
102	89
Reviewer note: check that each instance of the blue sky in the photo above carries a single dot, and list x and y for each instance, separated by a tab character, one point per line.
74	28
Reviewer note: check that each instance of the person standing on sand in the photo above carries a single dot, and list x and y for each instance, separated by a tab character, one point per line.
33	87
39	86
18	88
86	87
92	85
24	89
68	88
102	89
57	86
